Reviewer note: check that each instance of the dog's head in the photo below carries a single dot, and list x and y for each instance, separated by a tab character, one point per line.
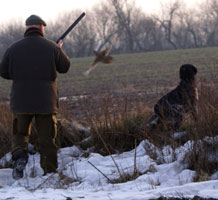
188	72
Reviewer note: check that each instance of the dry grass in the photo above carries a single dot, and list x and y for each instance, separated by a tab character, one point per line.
5	128
118	100
206	126
114	121
64	125
117	125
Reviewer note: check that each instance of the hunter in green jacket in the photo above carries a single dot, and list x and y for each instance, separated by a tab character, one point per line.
32	64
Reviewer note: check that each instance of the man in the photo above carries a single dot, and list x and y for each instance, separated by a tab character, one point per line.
32	64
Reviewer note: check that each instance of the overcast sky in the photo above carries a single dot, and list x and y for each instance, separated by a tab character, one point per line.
48	9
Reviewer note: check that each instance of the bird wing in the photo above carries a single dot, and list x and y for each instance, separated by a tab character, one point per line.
86	73
96	53
107	50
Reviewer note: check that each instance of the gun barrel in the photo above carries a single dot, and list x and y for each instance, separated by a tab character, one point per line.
71	27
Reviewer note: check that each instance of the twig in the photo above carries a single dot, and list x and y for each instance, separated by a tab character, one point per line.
121	175
100	172
135	168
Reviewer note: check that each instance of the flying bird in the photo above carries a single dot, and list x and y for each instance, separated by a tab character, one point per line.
101	56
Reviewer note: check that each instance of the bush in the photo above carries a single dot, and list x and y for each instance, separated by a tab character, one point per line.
5	128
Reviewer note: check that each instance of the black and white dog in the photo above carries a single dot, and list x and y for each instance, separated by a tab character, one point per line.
181	100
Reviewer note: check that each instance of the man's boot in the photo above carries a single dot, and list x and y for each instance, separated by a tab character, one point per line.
20	160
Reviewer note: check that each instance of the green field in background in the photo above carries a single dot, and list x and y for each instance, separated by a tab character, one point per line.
148	72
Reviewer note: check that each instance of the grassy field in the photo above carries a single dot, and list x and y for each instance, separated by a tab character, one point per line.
146	73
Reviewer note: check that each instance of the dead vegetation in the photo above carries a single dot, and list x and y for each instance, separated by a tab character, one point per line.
118	125
116	108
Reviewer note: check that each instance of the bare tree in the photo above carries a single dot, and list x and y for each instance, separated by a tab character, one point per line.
81	41
127	28
10	33
209	21
192	25
105	25
167	22
123	10
147	34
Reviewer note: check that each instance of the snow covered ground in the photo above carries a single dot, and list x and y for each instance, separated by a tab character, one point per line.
88	178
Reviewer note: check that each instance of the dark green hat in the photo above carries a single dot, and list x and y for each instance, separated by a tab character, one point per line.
35	20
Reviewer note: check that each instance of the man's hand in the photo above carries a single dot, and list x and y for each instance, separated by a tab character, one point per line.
60	43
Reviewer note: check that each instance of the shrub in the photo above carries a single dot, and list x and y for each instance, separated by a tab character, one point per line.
5	128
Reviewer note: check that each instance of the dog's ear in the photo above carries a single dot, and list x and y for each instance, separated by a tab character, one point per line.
193	69
187	72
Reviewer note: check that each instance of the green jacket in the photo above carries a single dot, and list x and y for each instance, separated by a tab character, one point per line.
32	63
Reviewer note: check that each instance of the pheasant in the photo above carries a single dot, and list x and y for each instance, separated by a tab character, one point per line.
103	57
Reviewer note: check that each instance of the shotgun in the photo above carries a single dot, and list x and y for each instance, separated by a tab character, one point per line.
71	27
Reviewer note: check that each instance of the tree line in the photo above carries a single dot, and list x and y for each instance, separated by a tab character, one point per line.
128	28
